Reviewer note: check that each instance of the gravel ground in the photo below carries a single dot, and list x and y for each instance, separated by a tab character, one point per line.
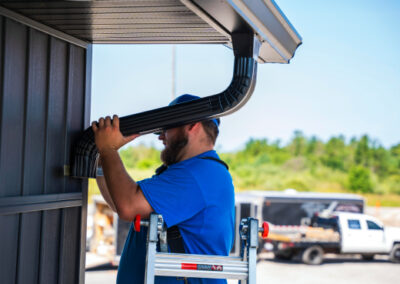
334	270
342	269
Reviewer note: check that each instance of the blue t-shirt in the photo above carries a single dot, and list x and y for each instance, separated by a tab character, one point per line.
197	195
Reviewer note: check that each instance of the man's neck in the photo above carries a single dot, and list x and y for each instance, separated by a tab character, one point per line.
190	152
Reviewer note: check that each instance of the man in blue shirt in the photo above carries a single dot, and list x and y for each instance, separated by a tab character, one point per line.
194	192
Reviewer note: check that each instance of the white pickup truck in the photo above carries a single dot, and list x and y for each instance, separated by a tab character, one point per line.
342	233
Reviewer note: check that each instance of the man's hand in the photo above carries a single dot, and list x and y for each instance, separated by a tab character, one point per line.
107	135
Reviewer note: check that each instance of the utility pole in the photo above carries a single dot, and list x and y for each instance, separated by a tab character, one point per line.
173	71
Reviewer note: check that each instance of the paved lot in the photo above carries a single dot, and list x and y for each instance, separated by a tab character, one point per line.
334	270
349	270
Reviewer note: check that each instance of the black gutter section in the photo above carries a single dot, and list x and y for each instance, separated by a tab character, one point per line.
245	48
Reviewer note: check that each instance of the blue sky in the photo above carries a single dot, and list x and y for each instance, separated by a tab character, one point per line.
344	78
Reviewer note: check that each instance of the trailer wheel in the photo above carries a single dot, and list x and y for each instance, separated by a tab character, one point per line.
313	255
395	254
260	246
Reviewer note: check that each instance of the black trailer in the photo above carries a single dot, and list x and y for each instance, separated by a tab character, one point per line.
290	207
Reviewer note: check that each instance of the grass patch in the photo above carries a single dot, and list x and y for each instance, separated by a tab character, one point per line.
384	200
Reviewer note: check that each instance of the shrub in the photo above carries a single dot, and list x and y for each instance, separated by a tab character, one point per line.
360	179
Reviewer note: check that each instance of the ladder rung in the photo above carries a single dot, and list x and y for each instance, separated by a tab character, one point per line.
200	274
225	268
216	259
204	266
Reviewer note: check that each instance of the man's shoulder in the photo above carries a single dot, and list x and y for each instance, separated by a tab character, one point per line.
199	168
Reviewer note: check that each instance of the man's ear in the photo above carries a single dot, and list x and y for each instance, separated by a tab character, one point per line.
194	127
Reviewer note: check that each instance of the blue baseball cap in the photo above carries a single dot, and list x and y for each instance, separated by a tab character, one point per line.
187	98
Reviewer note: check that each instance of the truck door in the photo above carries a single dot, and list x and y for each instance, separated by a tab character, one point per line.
375	236
353	236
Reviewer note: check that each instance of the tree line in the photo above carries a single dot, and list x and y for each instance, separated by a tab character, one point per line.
360	165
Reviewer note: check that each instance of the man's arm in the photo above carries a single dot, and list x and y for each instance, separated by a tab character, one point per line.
125	194
101	183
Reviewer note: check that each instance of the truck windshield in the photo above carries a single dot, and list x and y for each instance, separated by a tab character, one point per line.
373	226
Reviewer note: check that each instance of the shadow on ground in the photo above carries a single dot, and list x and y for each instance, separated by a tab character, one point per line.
331	259
107	266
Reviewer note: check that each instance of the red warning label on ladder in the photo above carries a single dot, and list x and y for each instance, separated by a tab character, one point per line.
208	267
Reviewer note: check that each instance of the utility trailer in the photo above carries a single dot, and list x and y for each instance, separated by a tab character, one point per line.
292	209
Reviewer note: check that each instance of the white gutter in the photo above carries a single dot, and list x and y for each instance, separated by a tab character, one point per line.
279	38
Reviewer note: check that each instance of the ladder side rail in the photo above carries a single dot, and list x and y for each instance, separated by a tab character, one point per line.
152	239
252	244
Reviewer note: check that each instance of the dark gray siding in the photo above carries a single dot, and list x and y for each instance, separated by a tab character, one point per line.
44	95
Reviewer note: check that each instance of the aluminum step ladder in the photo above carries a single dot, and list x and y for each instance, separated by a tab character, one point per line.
163	263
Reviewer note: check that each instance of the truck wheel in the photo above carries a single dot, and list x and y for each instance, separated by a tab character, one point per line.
284	255
313	255
395	254
367	256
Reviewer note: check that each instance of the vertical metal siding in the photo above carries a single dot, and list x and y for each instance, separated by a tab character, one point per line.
75	108
14	62
43	108
86	121
33	183
55	124
11	143
69	246
54	181
74	117
28	248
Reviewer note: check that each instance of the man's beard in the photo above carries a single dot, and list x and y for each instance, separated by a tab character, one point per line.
173	152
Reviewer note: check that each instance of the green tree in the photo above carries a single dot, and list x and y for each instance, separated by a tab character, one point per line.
335	153
395	151
312	146
362	154
298	145
255	147
395	154
381	161
131	156
360	179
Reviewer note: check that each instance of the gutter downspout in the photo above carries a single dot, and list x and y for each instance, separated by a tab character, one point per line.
245	47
